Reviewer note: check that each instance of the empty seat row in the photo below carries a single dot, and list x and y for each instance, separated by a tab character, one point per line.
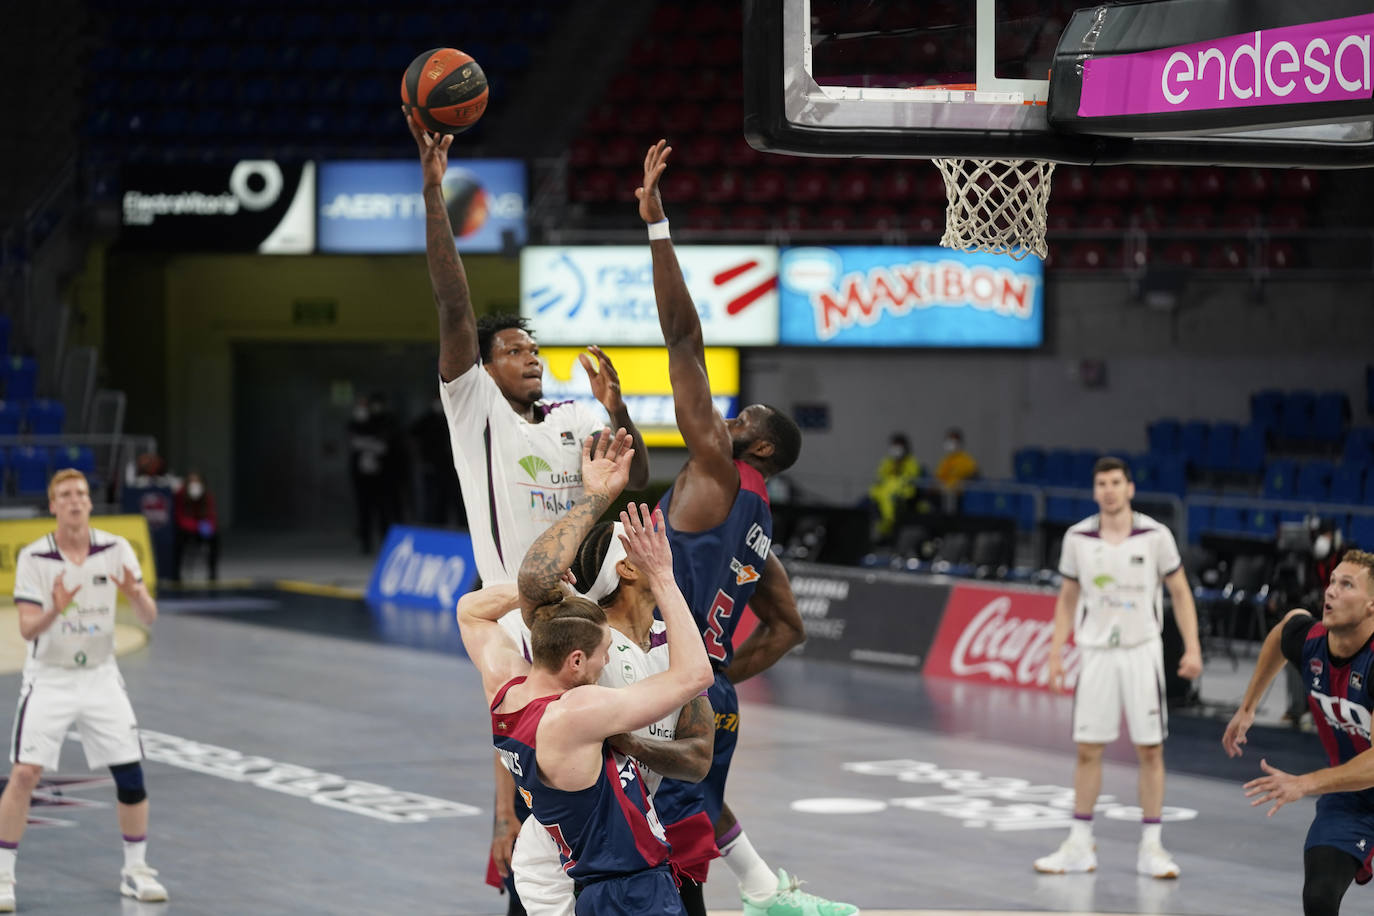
29	468
39	417
1070	468
1318	481
1305	416
1262	523
1219	446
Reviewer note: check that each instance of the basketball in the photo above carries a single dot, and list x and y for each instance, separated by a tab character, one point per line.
446	89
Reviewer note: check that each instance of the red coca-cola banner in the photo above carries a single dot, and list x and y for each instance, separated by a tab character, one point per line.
998	636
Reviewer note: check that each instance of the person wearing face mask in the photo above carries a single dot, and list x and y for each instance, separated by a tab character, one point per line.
894	483
194	509
957	465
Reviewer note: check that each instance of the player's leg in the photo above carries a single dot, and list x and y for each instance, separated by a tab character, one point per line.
1096	723
1327	874
109	737
1143	697
544	888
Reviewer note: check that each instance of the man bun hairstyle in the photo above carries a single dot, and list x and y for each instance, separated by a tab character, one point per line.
488	326
785	434
560	629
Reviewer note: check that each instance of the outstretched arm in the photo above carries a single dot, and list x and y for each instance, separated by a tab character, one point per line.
702	426
606	388
605	470
491	650
1267	667
780	627
457	326
688	755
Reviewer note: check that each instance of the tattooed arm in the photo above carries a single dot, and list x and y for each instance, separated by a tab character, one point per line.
605	471
457	326
688	755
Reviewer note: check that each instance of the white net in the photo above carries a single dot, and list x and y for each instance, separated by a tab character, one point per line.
996	205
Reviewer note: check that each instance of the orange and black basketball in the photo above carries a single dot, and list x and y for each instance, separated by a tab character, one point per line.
446	89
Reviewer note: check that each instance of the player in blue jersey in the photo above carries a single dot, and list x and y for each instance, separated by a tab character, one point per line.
550	720
721	529
1335	656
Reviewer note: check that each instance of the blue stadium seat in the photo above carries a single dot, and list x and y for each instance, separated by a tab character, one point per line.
1163	436
21	378
1082	508
1144	471
1193	441
1083	461
1266	409
1173	475
1368	496
29	465
1280	479
1330	413
1261	523
1199	520
1249	453
1220	453
79	457
1060	509
976	502
11	415
1059	468
1362	531
1295	420
1028	464
1347	483
1229	520
1359	446
44	417
1313	481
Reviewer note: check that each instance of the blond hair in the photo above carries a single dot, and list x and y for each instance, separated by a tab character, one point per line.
1361	558
62	477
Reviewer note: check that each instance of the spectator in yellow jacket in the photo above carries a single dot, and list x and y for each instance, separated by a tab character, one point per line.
894	483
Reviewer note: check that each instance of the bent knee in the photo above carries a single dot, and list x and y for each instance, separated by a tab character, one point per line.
26	776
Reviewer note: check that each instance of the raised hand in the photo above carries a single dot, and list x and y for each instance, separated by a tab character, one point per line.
1276	786
605	380
1234	737
606	462
61	595
650	201
646	539
128	586
433	150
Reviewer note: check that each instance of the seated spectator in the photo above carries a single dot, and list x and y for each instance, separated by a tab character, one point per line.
197	523
894	483
956	467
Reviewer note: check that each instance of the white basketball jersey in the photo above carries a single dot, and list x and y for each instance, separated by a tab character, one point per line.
629	663
82	636
1121	593
518	478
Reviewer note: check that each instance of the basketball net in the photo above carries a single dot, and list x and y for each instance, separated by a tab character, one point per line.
996	205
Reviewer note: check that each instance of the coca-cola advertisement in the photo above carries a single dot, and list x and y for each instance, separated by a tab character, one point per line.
999	636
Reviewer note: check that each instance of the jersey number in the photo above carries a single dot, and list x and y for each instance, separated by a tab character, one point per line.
721	610
564	849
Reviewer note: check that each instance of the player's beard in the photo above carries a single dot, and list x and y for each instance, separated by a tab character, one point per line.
738	447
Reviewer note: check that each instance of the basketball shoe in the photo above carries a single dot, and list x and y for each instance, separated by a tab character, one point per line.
1155	861
6	893
1072	856
140	882
790	900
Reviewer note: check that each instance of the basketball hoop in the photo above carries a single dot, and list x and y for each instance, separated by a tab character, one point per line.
996	205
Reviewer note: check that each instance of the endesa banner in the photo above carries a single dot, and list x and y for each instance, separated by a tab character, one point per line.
254	205
644	385
375	206
909	297
423	568
603	295
999	636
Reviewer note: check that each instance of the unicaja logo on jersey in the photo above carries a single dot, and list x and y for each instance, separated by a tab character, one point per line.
533	464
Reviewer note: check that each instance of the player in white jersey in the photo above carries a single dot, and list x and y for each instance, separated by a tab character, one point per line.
66	585
678	745
518	460
1113	565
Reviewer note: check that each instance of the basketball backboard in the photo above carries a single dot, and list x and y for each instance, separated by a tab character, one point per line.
1230	82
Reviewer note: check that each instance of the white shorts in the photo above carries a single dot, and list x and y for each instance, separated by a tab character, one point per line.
544	888
52	700
1113	680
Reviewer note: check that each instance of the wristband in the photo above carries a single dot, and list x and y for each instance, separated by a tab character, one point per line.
658	230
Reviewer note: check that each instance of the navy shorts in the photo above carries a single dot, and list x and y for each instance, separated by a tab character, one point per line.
676	801
652	891
1346	822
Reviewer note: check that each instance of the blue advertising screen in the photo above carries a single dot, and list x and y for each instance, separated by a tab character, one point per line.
375	206
909	297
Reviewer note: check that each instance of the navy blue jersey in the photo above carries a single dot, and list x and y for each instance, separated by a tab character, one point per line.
1338	691
717	569
606	830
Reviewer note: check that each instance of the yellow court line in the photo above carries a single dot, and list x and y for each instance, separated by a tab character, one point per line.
315	588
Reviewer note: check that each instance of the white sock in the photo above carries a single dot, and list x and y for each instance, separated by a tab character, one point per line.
135	853
1149	833
1081	831
7	857
756	879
